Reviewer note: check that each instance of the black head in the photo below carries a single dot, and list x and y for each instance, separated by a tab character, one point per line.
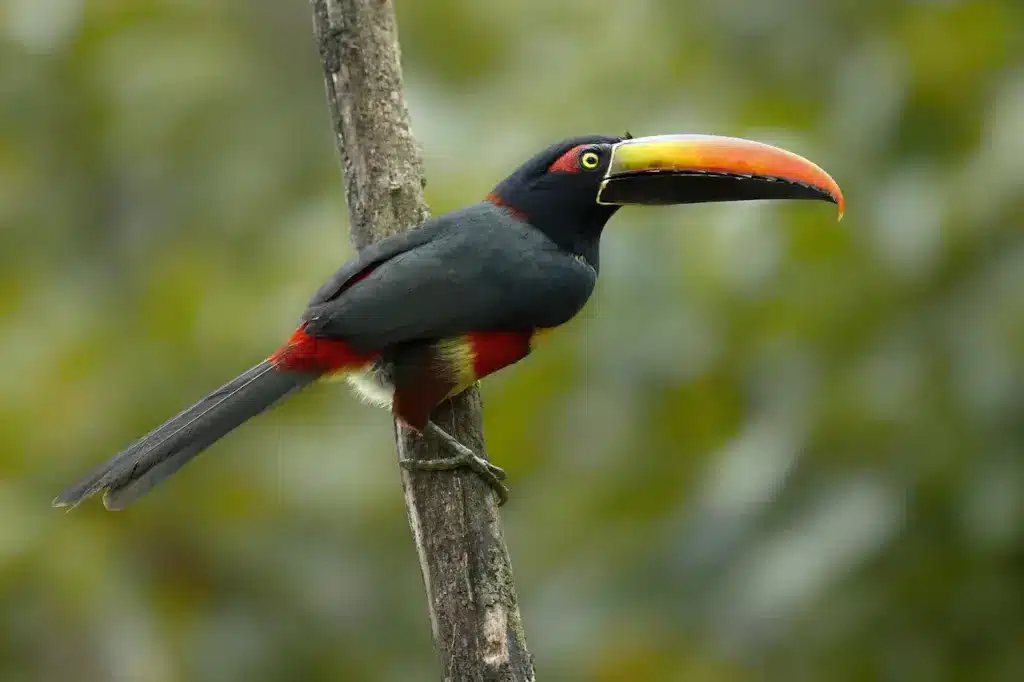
556	191
571	189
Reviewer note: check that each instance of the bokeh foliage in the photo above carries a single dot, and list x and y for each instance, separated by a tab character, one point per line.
773	447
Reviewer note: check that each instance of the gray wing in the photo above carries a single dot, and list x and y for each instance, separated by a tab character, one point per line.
485	271
373	255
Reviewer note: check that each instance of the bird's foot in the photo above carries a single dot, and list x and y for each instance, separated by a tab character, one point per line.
462	457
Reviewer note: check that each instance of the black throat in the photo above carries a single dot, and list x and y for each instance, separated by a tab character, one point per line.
561	205
574	231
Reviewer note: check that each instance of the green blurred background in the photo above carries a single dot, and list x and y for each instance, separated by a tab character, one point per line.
773	447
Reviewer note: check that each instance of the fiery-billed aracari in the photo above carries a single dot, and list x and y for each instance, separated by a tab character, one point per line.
421	316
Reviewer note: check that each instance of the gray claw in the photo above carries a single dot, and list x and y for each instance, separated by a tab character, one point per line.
464	457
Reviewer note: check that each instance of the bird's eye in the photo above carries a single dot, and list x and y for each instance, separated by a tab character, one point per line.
590	159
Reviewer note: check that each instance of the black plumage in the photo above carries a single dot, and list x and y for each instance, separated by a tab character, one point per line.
425	313
476	268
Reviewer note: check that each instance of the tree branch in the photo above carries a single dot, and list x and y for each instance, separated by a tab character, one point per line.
474	611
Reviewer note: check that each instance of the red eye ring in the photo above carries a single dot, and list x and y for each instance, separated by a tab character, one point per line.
569	162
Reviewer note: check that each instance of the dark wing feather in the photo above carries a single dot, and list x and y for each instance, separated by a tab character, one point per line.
372	256
483	270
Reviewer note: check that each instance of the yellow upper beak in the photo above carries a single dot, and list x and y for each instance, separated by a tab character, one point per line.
678	169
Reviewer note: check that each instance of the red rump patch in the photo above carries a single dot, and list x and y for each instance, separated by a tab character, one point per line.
362	274
359	276
307	353
494	350
568	162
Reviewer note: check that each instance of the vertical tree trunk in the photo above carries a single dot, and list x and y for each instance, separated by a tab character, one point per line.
474	612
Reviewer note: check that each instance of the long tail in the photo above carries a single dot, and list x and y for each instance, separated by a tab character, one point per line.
138	468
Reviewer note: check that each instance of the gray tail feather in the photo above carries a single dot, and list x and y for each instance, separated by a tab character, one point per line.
134	471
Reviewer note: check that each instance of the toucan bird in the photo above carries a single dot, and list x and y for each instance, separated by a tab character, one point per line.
420	316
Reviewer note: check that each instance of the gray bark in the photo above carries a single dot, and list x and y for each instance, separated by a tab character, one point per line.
472	603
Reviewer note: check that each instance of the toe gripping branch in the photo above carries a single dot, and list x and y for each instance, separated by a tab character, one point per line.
461	457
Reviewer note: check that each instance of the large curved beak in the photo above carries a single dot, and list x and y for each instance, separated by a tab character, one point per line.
688	169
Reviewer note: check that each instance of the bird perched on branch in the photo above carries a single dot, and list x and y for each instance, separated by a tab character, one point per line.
421	316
